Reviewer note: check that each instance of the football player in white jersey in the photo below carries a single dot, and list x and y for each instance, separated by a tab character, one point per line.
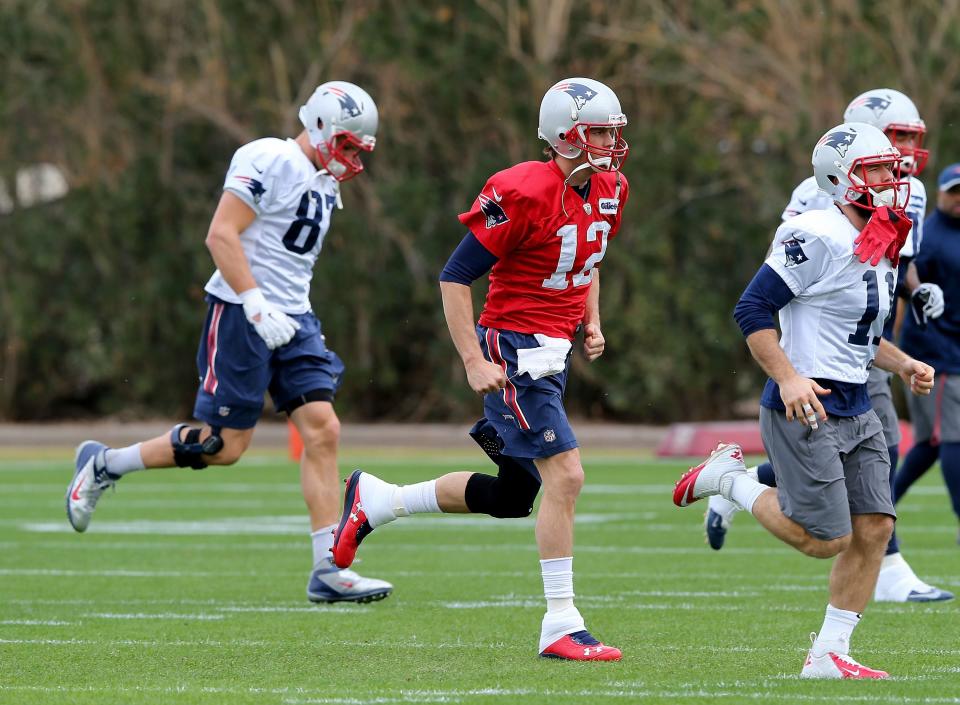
831	276
896	115
260	333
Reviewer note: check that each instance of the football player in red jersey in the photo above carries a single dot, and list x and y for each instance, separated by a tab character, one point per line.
541	229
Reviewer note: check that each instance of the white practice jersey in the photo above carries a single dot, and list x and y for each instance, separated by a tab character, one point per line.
293	202
832	328
808	197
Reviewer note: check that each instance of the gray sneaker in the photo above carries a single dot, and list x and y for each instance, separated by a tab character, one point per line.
89	481
331	584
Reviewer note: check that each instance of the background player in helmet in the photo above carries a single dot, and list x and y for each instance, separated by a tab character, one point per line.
833	496
897	116
543	229
260	333
936	419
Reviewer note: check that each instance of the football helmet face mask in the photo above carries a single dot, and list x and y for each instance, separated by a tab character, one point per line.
842	162
896	115
337	116
574	106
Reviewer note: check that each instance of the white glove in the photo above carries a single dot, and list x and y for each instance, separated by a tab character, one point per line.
274	326
933	308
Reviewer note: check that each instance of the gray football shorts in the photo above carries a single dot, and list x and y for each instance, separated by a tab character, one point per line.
939	411
824	476
878	387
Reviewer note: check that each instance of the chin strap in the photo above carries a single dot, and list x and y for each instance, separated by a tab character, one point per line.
566	183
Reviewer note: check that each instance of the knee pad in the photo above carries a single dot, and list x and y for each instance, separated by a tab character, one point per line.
509	495
190	451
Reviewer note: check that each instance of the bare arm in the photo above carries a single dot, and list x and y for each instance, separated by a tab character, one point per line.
231	218
915	374
593	341
796	391
482	375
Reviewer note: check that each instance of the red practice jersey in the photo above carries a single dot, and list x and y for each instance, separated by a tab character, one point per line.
548	241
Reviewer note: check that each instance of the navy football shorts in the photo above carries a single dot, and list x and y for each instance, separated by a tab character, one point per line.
236	367
528	414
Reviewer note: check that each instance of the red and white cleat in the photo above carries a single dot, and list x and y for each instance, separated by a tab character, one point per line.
833	665
715	475
353	527
581	646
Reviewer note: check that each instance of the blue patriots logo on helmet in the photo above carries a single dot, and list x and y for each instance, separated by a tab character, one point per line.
490	208
348	106
580	93
876	103
839	140
795	254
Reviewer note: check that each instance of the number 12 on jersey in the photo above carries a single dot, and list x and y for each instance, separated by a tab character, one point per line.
568	255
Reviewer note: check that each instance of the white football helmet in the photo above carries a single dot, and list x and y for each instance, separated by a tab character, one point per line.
840	162
895	114
339	114
570	108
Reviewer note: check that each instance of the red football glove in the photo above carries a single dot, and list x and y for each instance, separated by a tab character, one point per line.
903	224
884	234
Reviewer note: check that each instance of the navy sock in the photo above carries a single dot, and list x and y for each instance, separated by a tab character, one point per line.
765	475
920	458
893	545
950	467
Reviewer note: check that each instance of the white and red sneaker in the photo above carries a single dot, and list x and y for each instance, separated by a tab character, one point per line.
713	476
353	527
581	646
833	664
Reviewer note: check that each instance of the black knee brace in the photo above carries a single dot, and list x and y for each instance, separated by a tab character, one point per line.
511	493
508	495
190	451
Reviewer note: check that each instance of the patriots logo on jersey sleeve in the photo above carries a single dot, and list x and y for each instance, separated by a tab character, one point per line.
491	208
255	187
839	140
875	103
349	108
580	93
795	253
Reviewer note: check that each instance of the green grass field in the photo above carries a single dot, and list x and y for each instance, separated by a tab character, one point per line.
189	588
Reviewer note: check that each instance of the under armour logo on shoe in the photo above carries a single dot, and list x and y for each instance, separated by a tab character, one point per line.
586	651
355	516
737	454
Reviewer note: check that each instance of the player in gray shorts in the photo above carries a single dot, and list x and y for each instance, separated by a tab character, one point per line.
831	277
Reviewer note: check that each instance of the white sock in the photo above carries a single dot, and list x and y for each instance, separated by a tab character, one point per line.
322	543
897	579
377	498
557	582
753	472
838	626
746	490
556	624
120	461
420	498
